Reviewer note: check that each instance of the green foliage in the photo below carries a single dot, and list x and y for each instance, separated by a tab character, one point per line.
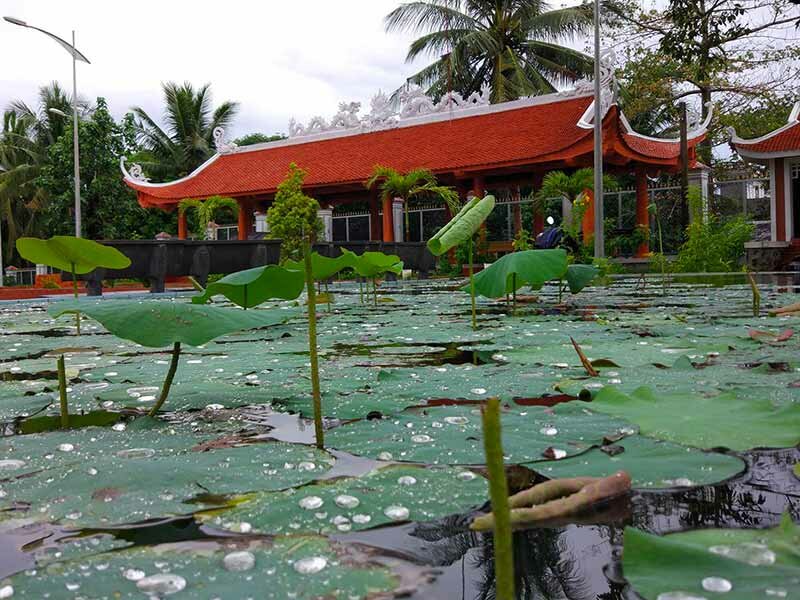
515	270
522	241
462	226
512	47
293	215
252	287
626	244
160	324
71	254
109	207
258	138
208	210
712	245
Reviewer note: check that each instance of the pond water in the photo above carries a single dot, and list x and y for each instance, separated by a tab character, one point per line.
696	398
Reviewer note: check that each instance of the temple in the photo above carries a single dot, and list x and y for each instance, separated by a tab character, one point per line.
468	143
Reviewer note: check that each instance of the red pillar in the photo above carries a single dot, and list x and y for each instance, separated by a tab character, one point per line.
182	228
245	218
374	217
642	205
587	225
388	222
780	201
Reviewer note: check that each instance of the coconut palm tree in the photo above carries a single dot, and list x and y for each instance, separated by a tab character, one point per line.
416	183
511	45
186	141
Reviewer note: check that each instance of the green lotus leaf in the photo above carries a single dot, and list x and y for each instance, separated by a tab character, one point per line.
362	502
252	287
372	264
731	564
515	270
650	463
579	276
71	254
461	227
322	267
723	420
271	570
157	324
453	434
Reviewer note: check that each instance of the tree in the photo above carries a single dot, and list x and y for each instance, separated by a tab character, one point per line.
258	138
735	52
109	207
293	215
187	140
510	45
27	134
208	210
414	184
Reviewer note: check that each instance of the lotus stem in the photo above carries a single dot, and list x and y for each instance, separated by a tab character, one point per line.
375	291
173	366
312	346
756	295
62	392
560	290
498	492
75	295
361	290
244	303
471	285
514	293
328	296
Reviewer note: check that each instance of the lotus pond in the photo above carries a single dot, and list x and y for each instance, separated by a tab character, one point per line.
225	495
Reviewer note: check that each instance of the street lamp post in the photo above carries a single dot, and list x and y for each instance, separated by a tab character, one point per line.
599	233
76	56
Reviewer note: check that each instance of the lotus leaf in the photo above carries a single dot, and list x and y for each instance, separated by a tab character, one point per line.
363	502
734	564
650	463
323	267
462	226
372	264
75	255
277	573
721	420
158	324
254	286
515	270
579	276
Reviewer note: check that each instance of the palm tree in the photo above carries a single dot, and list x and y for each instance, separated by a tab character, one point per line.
27	134
510	45
187	140
414	184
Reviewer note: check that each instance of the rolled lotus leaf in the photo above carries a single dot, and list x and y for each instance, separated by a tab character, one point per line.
323	267
159	324
515	270
461	227
251	287
71	254
579	276
372	264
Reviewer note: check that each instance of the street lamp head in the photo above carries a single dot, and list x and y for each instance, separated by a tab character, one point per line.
14	21
58	112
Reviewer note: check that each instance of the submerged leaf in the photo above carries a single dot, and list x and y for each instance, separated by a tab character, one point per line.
69	253
158	324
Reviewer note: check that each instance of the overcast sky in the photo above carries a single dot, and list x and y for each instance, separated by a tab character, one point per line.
277	59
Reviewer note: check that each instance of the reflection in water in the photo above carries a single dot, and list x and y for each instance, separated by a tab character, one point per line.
582	562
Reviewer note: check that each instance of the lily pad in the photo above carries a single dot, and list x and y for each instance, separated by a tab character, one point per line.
252	287
453	435
734	564
158	324
650	463
388	495
84	477
301	567
722	420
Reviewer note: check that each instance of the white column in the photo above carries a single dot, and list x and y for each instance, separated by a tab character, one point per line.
699	178
397	219
326	216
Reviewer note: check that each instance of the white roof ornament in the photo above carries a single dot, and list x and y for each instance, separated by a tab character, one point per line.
220	144
413	103
135	173
608	88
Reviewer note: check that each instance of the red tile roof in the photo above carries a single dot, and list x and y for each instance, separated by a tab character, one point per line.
495	138
786	140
